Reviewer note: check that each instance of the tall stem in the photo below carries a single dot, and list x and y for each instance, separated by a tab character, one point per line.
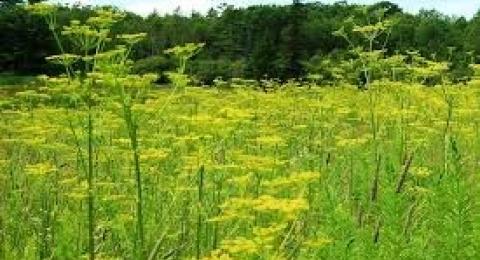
3	194
132	132
52	24
201	173
138	179
91	209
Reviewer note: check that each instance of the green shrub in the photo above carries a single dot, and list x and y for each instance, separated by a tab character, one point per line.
154	64
206	71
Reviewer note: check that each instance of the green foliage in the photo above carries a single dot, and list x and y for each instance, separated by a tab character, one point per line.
98	67
298	173
182	54
473	34
272	41
154	64
22	50
459	67
366	48
8	79
206	71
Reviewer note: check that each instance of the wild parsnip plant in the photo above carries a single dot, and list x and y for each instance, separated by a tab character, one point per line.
368	50
97	164
299	175
100	67
182	54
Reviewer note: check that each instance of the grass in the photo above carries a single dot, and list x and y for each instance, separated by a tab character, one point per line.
321	173
10	79
11	83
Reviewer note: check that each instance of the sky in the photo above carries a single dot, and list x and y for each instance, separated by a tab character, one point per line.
451	7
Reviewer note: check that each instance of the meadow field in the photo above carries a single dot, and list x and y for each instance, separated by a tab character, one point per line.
297	173
302	131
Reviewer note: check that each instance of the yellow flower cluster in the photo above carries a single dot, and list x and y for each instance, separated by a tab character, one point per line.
296	179
421	172
152	154
40	169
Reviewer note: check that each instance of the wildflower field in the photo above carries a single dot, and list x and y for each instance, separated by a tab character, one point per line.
320	173
98	161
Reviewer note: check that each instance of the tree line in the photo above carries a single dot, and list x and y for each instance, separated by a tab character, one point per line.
256	42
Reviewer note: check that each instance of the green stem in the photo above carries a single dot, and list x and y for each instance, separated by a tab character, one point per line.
138	179
201	173
91	209
2	225
132	132
51	24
